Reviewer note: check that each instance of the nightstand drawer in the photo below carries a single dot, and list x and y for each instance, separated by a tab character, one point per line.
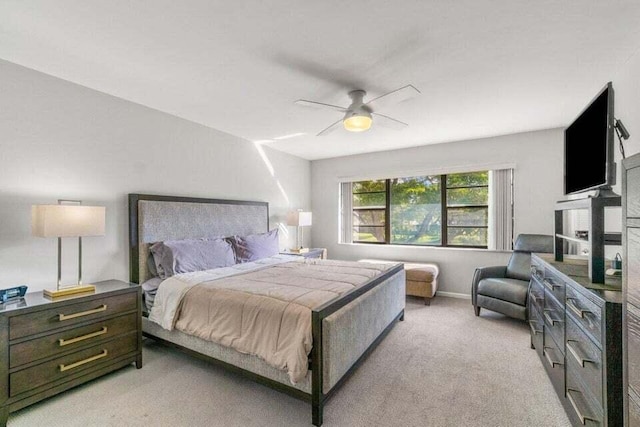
45	320
59	342
57	369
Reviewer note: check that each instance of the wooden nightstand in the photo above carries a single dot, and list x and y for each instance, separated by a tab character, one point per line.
312	253
47	347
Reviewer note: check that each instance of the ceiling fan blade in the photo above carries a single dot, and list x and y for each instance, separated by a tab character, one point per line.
393	97
330	129
388	122
320	105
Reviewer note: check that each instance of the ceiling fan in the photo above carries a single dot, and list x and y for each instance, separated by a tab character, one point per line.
359	116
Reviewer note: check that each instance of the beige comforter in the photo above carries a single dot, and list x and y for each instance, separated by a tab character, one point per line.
267	313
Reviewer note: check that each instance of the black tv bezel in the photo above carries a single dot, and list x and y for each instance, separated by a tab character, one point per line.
610	166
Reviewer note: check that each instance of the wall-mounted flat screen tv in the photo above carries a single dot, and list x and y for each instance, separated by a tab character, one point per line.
589	146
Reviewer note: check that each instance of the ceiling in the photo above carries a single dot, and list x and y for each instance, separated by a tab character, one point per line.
484	67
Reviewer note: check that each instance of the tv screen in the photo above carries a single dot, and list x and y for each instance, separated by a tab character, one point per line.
588	146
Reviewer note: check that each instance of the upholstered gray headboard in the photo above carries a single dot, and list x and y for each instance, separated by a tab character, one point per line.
156	218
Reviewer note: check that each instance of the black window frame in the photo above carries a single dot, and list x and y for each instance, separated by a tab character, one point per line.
444	206
384	209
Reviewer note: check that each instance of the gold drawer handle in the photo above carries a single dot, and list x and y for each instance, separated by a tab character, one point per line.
63	342
578	311
62	317
583	417
104	353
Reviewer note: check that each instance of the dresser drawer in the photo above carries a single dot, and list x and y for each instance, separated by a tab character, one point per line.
633	268
62	367
554	284
633	347
46	320
584	360
536	294
553	316
536	325
634	411
584	410
59	342
585	312
553	362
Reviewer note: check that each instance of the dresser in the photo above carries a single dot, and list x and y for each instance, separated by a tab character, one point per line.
49	346
631	286
576	329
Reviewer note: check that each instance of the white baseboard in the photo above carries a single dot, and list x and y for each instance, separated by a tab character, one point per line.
453	295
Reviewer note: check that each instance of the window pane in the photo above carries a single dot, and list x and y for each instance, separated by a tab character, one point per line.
368	234
368	217
467	236
369	199
415	210
364	186
468	216
468	196
467	179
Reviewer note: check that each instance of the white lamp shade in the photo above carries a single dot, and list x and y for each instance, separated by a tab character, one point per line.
299	218
67	220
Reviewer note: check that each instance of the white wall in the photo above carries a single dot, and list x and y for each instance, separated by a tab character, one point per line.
61	140
626	84
537	157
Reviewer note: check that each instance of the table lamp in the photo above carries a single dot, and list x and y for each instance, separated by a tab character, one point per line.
68	220
299	219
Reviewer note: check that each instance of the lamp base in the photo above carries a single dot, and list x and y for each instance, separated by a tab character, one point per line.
71	290
299	250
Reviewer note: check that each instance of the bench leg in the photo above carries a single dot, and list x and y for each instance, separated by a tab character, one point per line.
477	309
4	415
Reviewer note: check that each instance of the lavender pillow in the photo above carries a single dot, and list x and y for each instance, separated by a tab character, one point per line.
184	256
255	246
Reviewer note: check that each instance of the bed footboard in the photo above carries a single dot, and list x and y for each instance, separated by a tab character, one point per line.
345	331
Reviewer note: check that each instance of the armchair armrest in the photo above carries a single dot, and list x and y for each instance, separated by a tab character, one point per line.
483	273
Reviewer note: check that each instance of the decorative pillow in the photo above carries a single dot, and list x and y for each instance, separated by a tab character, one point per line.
188	255
157	253
255	246
151	264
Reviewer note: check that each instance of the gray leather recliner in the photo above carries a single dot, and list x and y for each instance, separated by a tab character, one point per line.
505	288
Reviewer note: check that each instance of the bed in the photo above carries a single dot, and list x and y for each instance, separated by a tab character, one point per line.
344	329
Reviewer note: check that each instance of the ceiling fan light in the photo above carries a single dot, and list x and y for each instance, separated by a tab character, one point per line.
357	123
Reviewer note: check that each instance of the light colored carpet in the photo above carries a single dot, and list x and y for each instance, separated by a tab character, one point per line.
442	366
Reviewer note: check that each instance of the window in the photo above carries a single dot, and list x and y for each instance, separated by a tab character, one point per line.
467	200
416	212
369	211
433	210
